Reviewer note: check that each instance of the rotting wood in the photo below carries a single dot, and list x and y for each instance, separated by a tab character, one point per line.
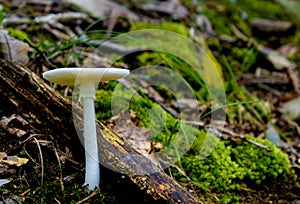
49	113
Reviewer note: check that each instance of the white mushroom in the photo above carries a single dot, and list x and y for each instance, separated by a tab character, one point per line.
87	79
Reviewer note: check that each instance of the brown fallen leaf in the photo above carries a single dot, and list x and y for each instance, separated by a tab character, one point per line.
13	49
14	124
272	78
288	50
126	125
271	26
171	7
291	109
12	160
294	77
278	61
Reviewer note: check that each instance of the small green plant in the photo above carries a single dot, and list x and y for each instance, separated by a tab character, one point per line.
2	16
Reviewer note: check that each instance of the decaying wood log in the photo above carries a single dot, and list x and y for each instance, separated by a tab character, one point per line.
47	112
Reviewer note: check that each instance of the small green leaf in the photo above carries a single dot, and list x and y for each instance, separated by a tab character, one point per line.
18	34
2	16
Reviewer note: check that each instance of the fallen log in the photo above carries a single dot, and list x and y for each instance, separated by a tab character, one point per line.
49	113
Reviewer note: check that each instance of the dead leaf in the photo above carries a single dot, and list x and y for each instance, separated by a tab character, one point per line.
288	50
14	124
271	26
12	160
278	61
13	49
126	125
266	77
192	104
13	120
291	109
273	136
174	8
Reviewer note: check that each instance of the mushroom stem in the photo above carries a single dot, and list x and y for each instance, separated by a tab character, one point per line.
92	167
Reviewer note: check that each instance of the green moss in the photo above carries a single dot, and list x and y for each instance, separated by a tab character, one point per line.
219	21
103	104
214	44
217	174
231	168
259	164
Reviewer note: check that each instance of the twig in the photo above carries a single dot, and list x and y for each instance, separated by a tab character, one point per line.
42	160
238	33
57	200
68	158
51	19
25	192
199	123
60	169
31	157
90	196
29	138
230	132
38	2
258	144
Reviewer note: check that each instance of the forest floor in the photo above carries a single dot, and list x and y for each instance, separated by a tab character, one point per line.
237	102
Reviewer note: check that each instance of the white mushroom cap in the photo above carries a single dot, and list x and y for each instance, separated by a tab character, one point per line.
70	76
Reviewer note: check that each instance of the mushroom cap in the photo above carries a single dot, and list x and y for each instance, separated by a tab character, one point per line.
70	76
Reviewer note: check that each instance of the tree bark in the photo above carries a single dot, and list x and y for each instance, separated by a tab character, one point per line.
49	113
